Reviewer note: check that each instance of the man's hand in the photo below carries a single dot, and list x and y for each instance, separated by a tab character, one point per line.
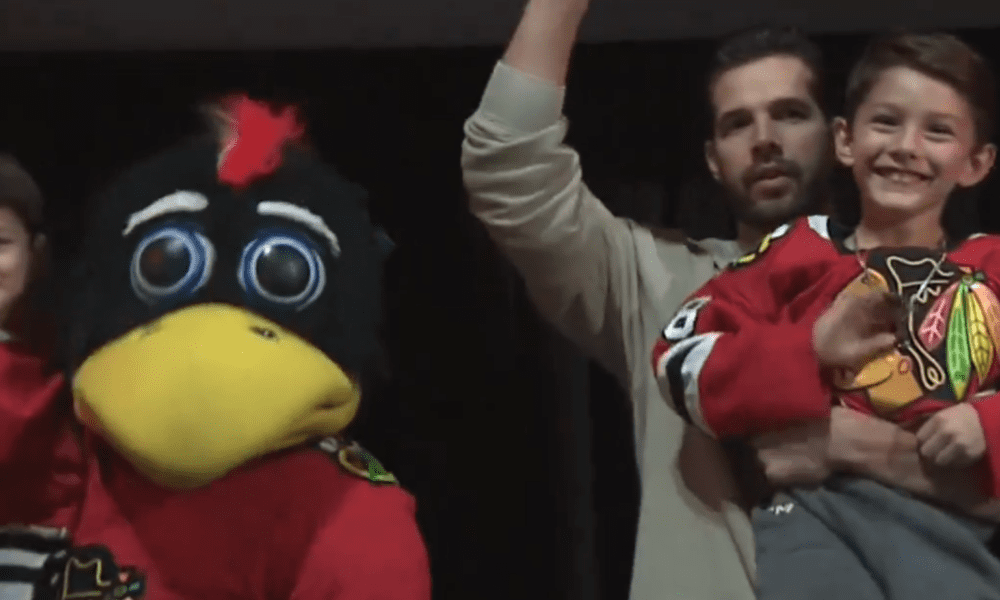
953	437
856	328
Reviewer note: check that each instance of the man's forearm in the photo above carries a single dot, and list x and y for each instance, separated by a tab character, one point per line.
869	446
544	39
888	453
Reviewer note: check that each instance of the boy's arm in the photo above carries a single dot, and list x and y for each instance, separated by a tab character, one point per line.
735	362
956	431
988	410
733	376
731	362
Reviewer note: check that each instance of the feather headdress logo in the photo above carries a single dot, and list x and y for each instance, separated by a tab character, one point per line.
255	139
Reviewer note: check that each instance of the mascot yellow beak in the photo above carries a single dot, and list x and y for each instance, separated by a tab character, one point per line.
202	390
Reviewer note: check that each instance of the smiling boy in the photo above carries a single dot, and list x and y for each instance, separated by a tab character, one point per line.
768	343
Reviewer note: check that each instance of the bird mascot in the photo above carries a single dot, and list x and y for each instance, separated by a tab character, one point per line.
224	314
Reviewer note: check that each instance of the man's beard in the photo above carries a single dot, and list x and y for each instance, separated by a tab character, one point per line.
770	213
805	198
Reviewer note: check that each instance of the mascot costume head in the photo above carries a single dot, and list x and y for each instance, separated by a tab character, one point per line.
223	316
230	297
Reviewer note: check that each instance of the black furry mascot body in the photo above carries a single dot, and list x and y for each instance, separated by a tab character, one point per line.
224	316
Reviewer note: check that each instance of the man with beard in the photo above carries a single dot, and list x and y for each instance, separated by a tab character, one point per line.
610	284
769	145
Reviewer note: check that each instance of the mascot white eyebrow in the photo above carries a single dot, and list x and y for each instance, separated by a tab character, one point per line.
225	309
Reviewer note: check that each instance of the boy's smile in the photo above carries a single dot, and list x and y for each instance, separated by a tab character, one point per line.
910	143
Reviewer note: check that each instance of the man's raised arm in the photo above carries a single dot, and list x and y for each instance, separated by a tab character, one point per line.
525	184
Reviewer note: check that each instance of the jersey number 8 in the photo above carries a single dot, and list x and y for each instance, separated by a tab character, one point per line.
682	325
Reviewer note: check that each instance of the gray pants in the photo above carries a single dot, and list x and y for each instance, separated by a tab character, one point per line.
855	539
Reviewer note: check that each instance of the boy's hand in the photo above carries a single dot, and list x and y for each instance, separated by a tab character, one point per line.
856	328
953	437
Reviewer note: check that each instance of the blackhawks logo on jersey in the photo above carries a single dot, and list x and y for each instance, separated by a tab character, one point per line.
949	350
356	460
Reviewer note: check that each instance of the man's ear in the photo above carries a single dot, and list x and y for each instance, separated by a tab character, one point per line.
842	141
980	164
712	160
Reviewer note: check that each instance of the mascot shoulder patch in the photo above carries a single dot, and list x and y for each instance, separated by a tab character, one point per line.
356	460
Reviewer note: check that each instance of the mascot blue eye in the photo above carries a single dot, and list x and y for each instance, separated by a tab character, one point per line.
282	268
170	263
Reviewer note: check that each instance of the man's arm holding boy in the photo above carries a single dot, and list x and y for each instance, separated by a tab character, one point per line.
852	442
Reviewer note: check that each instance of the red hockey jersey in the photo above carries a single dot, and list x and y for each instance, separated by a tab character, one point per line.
737	359
295	526
29	433
298	525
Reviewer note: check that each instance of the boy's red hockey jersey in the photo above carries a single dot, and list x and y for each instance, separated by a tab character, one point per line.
737	359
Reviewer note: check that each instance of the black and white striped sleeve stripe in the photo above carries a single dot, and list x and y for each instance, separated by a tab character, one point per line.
678	371
26	559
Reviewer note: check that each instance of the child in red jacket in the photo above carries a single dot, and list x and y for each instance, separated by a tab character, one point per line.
30	413
748	353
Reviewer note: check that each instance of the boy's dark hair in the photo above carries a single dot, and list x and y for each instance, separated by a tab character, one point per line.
751	45
938	55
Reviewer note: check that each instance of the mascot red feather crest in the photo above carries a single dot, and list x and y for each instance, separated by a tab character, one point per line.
256	139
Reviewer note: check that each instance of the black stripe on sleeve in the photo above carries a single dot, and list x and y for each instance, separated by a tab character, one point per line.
676	381
10	574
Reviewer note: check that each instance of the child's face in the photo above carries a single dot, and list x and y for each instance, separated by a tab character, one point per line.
912	140
15	259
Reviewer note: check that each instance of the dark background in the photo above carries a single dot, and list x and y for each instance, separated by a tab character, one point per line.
519	453
310	24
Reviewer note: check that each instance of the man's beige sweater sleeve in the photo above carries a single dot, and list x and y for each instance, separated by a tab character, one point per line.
525	184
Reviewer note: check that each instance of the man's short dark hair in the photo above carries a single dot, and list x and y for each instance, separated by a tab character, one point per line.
751	45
